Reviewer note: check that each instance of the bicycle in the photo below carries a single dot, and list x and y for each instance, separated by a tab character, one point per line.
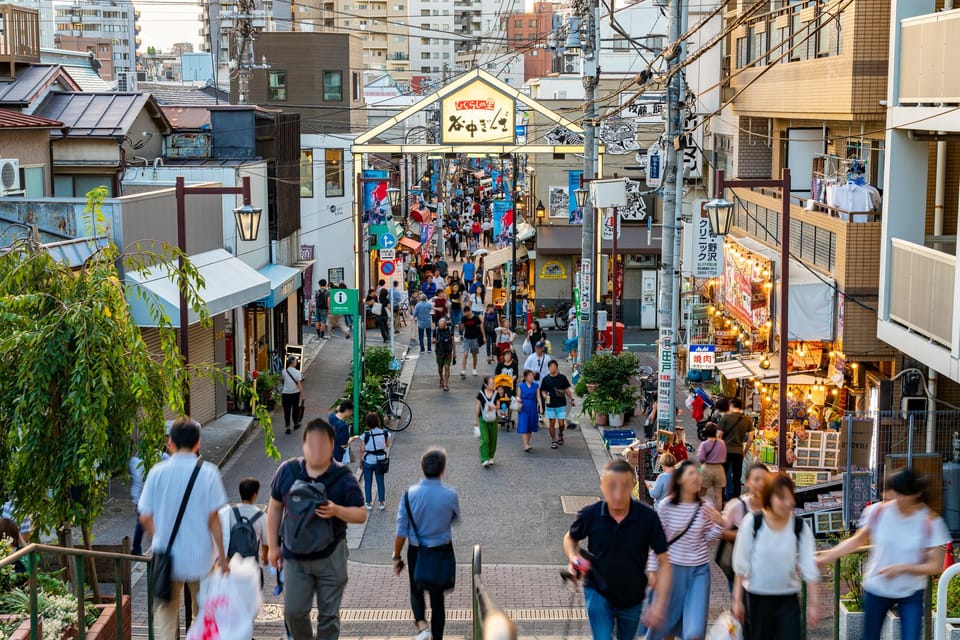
276	362
397	414
560	315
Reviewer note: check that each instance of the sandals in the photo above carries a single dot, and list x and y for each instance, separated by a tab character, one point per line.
528	450
554	445
560	440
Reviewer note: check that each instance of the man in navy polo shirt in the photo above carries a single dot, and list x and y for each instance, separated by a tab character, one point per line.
321	574
621	533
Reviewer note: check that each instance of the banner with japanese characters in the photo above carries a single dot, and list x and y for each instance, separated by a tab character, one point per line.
707	247
477	114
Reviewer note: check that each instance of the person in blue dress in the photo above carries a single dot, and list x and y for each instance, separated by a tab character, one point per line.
528	416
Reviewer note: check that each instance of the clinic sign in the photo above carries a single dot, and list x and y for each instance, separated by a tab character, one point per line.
707	247
477	114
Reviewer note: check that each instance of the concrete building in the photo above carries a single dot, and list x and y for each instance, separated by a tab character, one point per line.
327	93
44	9
113	20
527	34
433	35
919	305
100	49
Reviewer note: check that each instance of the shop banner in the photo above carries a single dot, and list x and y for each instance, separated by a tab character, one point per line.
707	248
573	183
306	254
376	203
665	380
702	356
502	222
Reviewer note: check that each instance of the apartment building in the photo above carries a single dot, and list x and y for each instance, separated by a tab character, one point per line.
527	34
382	26
433	36
919	307
113	20
100	48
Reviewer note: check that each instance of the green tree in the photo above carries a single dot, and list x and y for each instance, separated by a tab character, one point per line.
77	380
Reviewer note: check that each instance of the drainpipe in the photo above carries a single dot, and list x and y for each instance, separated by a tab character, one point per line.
941	187
931	414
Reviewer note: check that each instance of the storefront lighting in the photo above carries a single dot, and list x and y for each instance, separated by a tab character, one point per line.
540	211
247	218
765	363
835	392
394	195
767	285
854	365
711	310
833	354
581	196
720	213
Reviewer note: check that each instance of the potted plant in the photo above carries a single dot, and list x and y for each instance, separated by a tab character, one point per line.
851	605
595	406
268	392
617	408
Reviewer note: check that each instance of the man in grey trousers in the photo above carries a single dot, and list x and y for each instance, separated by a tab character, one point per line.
319	573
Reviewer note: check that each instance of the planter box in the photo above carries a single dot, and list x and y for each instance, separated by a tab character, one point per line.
616	419
105	628
851	623
23	631
953	632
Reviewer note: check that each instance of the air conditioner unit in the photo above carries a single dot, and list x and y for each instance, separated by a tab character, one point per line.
9	175
571	64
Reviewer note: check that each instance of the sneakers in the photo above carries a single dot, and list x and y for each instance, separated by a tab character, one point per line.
381	507
474	372
424	635
369	506
487	464
463	373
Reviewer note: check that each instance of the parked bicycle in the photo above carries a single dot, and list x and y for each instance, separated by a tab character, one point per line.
560	315
397	414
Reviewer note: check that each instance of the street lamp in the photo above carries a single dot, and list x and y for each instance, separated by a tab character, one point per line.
247	218
723	208
394	194
720	213
540	211
581	196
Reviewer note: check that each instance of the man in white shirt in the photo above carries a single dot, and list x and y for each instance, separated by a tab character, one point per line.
539	363
199	542
249	489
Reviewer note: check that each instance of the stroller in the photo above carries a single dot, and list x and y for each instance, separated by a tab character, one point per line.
505	403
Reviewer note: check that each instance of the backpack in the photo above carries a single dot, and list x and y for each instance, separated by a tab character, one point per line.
323	300
302	532
445	341
797	529
243	537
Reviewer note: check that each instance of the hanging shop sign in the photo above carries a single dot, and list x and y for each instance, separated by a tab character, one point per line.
665	378
553	270
610	217
747	281
702	356
477	114
708	248
654	167
648	108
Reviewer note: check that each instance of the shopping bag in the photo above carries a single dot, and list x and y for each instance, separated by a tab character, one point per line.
228	603
725	627
476	432
527	349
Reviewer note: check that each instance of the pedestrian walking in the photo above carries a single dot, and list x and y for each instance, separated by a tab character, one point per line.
178	509
736	431
690	525
476	230
906	539
425	518
342	422
556	390
473	338
376	439
491	326
290	393
440	306
486	227
773	552
535	334
423	312
429	287
441	266
383	299
711	454
446	352
136	488
620	532
487	422
509	366
661	486
312	498
478	293
469	271
733	514
244	525
530	407
538	362
455	298
396	299
321	303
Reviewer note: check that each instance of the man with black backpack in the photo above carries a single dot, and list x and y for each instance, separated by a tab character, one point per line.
312	498
322	305
244	525
736	431
446	351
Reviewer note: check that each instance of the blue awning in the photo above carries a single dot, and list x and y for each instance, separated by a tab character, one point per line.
283	282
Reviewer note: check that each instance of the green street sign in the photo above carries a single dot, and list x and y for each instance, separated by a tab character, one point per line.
343	302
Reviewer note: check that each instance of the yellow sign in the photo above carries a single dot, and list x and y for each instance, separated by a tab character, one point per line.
477	114
552	270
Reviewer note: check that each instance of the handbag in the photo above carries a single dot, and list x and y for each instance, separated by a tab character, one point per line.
724	557
489	410
696	512
436	567
161	571
527	349
376	309
515	404
301	409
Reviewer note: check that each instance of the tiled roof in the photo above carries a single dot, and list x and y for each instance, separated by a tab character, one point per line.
184	95
16	120
98	115
187	118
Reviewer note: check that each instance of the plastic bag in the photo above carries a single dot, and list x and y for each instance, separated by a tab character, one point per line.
725	627
228	603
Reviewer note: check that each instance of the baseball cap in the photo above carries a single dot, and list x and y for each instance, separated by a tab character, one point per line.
539	344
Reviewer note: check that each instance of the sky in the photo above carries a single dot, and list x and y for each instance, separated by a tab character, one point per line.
164	22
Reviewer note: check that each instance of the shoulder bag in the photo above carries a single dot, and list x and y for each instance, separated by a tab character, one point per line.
302	407
696	512
724	557
489	410
383	464
161	565
436	567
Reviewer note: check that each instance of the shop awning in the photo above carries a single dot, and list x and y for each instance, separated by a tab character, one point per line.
283	282
563	239
228	283
734	370
502	256
409	243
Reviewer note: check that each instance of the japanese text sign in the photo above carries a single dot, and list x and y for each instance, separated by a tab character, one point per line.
707	248
701	356
477	114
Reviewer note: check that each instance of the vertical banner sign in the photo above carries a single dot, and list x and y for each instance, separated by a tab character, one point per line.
573	183
376	203
502	222
306	255
654	167
665	412
707	249
606	229
586	278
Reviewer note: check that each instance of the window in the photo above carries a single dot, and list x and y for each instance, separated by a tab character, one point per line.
306	173
532	24
277	86
333	86
357	89
424	55
333	170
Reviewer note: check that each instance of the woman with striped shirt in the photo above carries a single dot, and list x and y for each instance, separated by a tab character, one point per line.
690	525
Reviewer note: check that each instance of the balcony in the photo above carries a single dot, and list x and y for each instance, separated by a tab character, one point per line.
19	37
396	55
928	50
921	288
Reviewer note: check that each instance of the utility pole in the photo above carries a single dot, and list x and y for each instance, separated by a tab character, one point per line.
246	22
589	44
672	209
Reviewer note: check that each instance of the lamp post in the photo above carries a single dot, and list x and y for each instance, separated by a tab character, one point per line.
719	212
518	206
581	195
247	218
541	212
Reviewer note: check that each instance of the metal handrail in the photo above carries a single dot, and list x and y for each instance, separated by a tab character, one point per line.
490	622
33	552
